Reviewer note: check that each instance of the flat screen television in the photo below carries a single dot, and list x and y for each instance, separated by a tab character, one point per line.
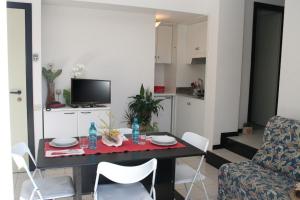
90	92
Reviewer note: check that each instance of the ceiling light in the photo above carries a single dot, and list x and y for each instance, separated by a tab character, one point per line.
157	24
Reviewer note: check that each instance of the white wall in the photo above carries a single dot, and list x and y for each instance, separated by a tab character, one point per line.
289	96
212	9
6	169
114	45
159	75
228	74
247	49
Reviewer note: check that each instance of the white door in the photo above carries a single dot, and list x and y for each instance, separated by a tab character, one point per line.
17	74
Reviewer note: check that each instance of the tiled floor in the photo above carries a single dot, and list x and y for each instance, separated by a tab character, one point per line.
210	172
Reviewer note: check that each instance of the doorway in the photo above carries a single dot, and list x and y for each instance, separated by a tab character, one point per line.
19	38
265	62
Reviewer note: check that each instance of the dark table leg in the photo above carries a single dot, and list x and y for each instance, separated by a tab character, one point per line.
178	196
77	182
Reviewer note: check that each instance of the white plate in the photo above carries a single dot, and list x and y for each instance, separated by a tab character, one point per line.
163	144
163	139
64	142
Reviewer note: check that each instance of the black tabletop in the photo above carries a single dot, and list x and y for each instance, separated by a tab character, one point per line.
84	160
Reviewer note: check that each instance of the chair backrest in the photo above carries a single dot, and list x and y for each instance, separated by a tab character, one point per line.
22	149
18	152
280	150
126	174
196	140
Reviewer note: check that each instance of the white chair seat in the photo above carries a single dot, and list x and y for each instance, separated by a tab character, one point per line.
134	191
50	188
185	174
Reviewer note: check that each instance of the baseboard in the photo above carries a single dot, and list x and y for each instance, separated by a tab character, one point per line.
226	135
223	139
217	146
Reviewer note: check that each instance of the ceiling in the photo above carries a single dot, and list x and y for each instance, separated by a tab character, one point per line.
179	17
166	17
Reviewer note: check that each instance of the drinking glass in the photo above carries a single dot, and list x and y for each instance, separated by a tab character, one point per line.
142	138
83	142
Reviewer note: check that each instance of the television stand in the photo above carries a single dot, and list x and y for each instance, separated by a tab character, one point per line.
99	105
93	106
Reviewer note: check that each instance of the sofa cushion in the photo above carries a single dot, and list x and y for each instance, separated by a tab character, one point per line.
281	148
249	181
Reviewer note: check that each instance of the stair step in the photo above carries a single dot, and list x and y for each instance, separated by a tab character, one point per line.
229	155
237	147
218	157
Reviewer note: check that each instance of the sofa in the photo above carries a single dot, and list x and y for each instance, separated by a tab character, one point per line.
272	172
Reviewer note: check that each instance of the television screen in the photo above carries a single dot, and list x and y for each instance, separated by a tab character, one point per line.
88	91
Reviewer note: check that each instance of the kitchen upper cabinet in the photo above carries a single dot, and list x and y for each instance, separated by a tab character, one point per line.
189	115
196	41
163	44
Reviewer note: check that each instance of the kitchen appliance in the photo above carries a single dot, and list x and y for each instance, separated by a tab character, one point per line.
159	89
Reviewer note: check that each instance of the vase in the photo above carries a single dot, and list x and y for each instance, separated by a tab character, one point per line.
51	93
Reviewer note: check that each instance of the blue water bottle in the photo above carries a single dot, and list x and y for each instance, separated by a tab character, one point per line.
92	136
135	131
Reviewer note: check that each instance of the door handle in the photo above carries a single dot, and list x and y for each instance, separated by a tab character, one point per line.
18	92
69	113
86	112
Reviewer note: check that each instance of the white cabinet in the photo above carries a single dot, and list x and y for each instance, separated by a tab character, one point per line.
196	41
164	119
69	122
189	115
60	124
163	43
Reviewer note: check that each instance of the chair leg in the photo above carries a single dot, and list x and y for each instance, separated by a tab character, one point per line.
185	186
204	188
187	197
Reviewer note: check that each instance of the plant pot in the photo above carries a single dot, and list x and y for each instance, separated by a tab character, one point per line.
51	93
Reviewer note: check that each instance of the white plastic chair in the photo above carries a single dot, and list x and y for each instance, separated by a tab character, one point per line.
184	173
40	188
126	178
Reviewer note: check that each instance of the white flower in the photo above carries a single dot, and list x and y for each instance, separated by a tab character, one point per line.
78	70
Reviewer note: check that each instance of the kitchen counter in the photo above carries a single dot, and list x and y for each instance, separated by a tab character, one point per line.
164	94
190	95
187	92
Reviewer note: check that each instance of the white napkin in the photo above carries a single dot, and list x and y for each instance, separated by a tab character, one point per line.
65	152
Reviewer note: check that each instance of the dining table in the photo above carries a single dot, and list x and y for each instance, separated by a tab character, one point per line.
84	166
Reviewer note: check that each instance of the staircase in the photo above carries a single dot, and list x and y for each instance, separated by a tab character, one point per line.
235	147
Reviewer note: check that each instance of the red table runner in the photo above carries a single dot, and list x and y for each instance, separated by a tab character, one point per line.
127	146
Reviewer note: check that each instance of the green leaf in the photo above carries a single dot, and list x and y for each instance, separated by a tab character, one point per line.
142	90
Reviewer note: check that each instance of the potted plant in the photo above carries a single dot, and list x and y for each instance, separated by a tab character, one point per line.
142	106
